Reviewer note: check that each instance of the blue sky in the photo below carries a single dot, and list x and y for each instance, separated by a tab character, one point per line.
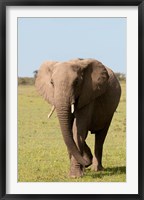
61	39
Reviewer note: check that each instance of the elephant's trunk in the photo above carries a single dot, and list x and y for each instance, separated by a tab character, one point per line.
64	115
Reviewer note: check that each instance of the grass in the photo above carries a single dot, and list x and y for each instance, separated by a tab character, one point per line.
42	154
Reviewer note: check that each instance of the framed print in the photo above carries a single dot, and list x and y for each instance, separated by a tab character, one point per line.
71	99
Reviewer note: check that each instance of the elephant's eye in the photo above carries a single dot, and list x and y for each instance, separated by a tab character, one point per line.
52	82
76	82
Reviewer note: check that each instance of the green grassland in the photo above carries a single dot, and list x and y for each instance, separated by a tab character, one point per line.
42	154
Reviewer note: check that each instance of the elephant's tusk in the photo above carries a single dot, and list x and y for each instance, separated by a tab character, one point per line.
72	108
51	112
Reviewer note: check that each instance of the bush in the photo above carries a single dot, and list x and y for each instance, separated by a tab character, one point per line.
26	81
120	76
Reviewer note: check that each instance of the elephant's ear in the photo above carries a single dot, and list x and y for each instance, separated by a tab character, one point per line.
95	81
43	81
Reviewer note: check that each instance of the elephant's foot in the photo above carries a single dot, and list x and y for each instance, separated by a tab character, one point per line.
76	174
89	160
76	171
97	168
87	155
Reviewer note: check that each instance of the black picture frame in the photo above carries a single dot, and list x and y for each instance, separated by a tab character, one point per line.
3	5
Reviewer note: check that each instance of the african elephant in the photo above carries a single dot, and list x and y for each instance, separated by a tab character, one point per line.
85	95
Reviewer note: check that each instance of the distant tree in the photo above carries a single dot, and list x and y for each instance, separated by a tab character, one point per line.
35	73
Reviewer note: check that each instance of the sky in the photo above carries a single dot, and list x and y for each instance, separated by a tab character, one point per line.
62	39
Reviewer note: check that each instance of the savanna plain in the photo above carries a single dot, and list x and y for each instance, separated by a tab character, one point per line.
42	154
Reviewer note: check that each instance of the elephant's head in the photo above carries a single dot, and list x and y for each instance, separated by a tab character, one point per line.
76	83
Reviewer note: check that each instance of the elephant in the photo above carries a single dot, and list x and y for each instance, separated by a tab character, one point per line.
85	95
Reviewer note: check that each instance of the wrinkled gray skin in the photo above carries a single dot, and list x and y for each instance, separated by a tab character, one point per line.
95	92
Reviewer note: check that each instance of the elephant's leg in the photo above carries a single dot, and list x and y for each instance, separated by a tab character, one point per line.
87	155
79	135
98	149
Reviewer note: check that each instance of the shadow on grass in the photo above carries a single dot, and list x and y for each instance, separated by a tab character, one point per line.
107	172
